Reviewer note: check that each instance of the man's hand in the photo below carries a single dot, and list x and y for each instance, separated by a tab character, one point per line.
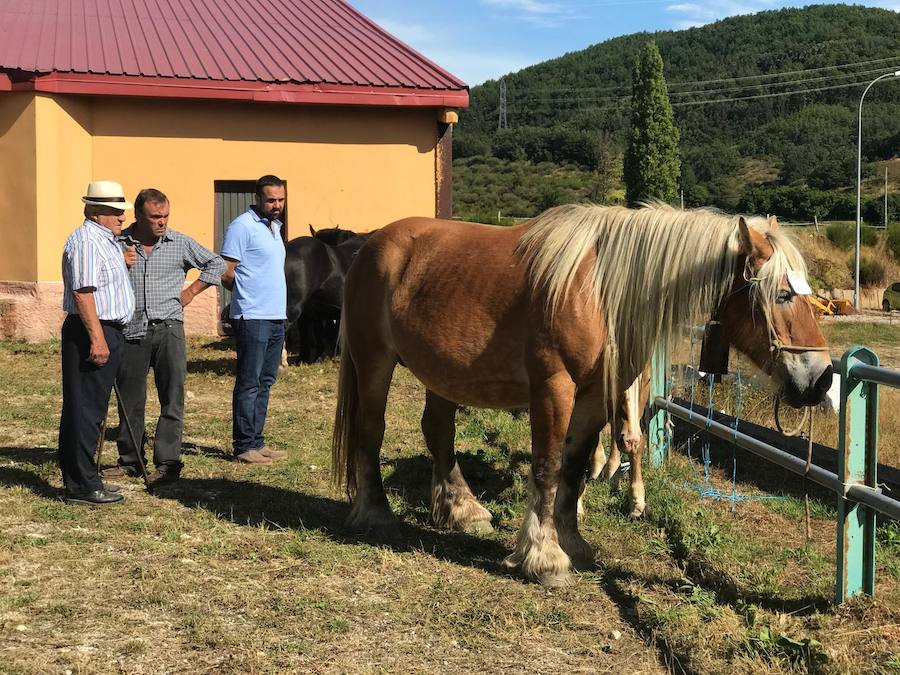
99	351
228	276
186	296
130	255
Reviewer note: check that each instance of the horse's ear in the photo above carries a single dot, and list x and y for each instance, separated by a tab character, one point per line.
746	243
312	230
751	243
773	223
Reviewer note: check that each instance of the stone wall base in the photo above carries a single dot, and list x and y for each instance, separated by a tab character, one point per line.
33	311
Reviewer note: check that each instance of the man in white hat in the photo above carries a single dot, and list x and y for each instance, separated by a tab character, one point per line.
99	300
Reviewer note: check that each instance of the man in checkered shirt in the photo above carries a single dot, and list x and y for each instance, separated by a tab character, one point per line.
155	336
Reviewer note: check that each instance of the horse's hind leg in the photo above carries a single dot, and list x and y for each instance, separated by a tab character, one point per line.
598	460
636	491
453	506
371	512
631	440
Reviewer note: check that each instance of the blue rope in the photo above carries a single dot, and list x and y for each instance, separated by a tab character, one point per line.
739	398
704	488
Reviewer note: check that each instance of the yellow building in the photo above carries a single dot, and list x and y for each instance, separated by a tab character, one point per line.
358	125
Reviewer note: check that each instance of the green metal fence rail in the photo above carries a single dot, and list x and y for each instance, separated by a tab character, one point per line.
856	481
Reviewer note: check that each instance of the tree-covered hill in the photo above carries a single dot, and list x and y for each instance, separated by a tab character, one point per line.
770	97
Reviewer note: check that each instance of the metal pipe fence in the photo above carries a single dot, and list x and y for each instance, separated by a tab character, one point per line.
855	484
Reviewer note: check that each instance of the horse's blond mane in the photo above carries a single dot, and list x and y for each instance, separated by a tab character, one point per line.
658	269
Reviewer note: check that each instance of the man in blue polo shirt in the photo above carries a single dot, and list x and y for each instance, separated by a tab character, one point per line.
254	251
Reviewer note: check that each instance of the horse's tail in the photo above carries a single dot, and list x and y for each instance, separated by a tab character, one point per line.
343	461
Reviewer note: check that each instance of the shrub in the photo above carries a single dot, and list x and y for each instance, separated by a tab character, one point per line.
841	235
868	236
871	272
893	239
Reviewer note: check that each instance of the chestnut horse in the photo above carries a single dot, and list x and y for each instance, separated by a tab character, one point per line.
559	314
626	436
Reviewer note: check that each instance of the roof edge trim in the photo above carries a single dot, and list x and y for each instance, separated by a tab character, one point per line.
316	94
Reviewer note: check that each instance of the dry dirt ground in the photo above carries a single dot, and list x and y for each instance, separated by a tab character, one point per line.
249	570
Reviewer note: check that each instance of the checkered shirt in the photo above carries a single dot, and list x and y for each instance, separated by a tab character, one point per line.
158	279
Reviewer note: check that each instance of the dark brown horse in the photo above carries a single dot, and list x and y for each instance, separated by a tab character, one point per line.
560	315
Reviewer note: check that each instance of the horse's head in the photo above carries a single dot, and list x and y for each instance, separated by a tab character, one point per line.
332	236
766	315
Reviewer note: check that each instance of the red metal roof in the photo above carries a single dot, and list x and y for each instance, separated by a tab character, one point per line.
302	51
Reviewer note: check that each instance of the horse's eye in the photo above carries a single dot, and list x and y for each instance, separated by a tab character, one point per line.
783	296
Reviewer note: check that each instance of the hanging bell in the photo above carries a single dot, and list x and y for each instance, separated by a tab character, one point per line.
714	351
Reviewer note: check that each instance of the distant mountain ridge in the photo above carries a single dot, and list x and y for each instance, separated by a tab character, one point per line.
574	109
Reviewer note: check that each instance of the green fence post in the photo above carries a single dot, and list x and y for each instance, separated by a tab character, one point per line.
659	386
857	463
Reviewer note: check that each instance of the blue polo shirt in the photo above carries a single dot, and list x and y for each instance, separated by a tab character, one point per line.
259	291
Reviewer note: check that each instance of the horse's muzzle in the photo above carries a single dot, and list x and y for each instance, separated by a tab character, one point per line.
814	394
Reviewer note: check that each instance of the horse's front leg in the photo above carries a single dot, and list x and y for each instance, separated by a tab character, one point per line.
538	553
587	420
453	506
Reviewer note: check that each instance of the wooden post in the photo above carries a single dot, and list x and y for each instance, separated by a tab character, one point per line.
857	463
443	163
657	433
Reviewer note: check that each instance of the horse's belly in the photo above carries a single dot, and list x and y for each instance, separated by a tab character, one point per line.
467	369
497	394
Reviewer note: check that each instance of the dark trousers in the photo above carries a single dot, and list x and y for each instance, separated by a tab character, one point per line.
86	390
162	349
259	344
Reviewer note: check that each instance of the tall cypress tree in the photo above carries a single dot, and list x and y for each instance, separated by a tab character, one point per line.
652	165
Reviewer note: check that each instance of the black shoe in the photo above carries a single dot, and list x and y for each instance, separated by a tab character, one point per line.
162	476
95	498
112	487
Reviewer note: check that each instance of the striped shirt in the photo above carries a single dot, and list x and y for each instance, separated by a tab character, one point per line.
158	278
93	260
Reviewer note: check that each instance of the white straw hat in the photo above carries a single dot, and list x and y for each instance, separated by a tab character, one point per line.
106	193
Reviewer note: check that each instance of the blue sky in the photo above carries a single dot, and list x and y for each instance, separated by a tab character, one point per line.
477	40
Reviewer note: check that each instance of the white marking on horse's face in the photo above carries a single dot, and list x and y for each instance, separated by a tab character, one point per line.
805	377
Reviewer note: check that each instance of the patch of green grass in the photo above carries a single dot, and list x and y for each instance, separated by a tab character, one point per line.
47	510
292	647
783	650
206	629
793	509
26	348
17	601
60	610
132	648
337	625
861	333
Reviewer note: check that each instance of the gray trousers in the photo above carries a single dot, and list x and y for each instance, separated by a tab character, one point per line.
161	349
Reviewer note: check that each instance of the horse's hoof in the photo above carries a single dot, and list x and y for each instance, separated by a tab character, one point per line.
581	555
555	579
638	512
480	527
374	524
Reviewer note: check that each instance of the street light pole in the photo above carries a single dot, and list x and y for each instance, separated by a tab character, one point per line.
859	184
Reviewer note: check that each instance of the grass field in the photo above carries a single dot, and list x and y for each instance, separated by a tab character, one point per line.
248	570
